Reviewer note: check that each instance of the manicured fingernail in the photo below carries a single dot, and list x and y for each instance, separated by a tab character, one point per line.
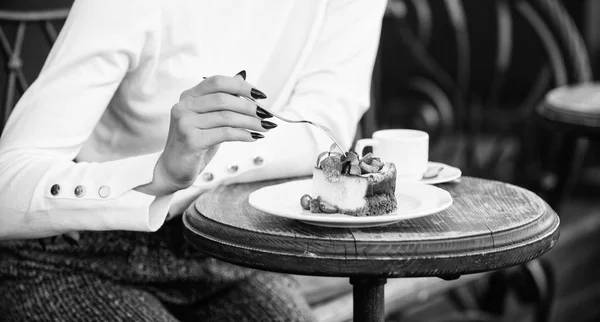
257	94
256	136
242	73
260	112
268	125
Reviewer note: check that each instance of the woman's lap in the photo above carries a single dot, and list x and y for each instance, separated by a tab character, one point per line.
264	297
138	277
77	297
80	297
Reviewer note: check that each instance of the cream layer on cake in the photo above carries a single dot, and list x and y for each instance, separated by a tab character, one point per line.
369	194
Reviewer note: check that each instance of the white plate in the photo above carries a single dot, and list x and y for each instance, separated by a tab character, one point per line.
448	173
414	200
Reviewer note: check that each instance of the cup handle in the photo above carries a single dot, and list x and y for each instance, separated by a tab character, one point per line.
362	144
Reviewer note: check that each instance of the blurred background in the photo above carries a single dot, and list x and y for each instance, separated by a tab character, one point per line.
473	74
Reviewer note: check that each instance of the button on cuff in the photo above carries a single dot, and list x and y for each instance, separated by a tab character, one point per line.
232	168
55	189
104	191
208	176
79	191
258	160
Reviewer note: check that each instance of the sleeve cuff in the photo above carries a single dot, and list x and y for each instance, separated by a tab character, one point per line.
100	196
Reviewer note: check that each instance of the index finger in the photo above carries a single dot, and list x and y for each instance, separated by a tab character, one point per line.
226	84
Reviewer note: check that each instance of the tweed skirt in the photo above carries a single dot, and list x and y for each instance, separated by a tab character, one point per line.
136	276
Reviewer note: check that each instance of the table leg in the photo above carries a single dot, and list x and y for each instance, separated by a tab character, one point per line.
368	299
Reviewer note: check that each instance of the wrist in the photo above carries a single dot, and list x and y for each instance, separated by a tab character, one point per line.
160	185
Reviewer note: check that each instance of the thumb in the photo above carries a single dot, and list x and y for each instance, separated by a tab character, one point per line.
208	155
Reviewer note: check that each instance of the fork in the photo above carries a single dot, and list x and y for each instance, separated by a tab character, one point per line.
315	124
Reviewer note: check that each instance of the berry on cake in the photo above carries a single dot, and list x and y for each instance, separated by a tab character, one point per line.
347	184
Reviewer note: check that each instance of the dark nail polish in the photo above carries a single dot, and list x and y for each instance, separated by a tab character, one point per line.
257	94
242	73
260	112
256	136
268	125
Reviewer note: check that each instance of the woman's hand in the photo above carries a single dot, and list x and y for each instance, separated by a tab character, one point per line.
205	116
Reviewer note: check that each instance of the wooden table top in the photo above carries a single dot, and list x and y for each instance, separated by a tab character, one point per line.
490	225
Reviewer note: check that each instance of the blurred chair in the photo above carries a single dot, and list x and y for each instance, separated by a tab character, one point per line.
12	44
472	73
572	114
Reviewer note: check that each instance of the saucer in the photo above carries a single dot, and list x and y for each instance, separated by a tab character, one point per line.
448	173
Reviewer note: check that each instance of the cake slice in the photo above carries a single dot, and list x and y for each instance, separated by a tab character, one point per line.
352	186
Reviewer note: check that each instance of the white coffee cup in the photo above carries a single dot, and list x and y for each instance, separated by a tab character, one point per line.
407	149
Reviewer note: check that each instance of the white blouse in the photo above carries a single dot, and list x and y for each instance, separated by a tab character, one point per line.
91	127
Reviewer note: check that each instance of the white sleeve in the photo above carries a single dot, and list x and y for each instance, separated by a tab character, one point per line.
333	88
44	192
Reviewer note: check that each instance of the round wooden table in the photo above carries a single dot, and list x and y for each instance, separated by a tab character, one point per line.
490	225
